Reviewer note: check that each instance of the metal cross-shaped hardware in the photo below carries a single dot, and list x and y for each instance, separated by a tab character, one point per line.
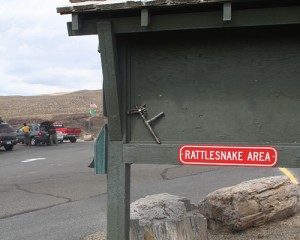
143	112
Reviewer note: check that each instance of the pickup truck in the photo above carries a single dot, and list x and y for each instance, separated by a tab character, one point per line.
68	133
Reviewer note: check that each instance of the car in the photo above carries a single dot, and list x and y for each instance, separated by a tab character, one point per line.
8	137
37	135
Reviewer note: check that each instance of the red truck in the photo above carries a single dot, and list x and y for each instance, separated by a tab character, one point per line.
68	133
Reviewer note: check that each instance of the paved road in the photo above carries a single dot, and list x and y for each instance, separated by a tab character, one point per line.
49	193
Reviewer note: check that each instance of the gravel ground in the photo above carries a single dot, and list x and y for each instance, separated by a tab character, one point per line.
288	229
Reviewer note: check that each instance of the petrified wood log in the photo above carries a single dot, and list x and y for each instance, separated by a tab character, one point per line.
167	217
251	203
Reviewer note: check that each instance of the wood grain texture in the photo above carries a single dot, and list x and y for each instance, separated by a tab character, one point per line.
110	81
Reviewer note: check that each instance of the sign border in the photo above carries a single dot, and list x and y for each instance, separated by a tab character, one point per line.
227	146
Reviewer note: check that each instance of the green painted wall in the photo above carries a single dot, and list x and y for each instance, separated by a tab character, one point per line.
215	86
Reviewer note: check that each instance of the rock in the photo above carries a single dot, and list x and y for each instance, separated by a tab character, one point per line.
168	217
88	137
251	203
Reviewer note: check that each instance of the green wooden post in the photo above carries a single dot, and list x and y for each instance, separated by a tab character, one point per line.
118	193
118	176
110	84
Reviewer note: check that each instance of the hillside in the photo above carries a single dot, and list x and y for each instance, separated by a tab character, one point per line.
71	108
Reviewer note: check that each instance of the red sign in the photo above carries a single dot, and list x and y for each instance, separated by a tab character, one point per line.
215	155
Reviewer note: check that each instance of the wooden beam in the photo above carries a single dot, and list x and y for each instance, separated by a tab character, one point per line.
76	22
227	11
206	20
145	17
103	92
110	81
151	153
199	20
288	155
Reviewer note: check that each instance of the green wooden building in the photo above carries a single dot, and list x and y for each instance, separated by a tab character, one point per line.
199	72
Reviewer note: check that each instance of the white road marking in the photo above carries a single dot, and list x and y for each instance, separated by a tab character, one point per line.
33	159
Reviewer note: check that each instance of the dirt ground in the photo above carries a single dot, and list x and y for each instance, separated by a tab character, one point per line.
288	229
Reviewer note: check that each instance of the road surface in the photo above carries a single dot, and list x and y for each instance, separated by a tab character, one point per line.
49	193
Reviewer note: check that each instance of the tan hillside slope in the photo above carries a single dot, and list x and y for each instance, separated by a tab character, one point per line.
71	108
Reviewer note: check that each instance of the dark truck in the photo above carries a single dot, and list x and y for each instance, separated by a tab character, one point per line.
68	133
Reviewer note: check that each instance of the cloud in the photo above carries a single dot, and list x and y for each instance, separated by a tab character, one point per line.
66	77
37	55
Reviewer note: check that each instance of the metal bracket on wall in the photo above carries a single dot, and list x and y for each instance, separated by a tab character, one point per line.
141	110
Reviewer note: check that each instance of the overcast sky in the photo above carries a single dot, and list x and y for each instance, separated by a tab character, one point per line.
36	54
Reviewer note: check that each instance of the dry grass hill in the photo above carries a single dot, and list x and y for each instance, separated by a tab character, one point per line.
70	108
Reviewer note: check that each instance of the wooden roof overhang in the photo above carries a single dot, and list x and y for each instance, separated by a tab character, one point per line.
163	15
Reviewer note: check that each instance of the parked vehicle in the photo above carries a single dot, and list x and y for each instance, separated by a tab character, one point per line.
8	137
38	135
50	129
68	133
